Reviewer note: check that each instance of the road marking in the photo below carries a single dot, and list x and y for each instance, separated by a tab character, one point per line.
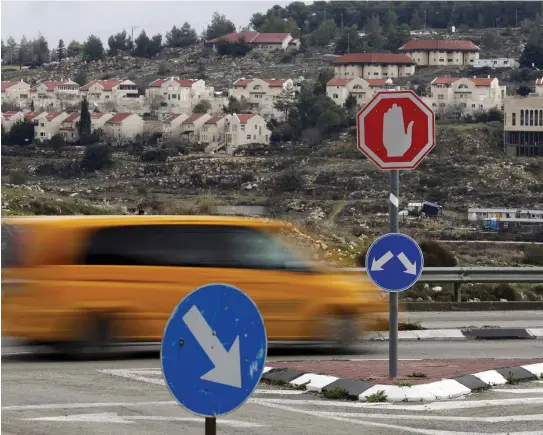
521	391
433	406
84	405
385	425
113	417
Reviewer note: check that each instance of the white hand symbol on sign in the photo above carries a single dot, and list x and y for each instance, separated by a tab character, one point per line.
395	139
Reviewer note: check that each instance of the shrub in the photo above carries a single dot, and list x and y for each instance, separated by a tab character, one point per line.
18	178
96	157
155	156
506	291
437	255
290	180
533	254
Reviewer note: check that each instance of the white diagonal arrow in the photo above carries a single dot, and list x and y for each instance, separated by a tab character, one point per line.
227	369
113	417
410	268
378	264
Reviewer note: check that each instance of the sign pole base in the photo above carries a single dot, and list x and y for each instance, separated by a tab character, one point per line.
393	204
211	426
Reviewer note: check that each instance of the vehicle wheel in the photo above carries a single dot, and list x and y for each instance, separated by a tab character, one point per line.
95	341
342	332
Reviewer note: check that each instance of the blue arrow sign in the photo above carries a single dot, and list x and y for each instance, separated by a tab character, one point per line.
394	262
214	350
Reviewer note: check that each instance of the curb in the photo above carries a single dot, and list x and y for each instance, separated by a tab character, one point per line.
460	334
368	392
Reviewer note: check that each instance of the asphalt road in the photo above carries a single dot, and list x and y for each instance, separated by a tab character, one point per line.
457	319
50	396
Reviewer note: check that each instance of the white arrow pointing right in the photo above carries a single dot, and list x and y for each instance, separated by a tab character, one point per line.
377	265
410	268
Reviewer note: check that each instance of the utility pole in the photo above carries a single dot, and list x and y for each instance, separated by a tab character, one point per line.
348	43
132	29
424	20
516	18
341	24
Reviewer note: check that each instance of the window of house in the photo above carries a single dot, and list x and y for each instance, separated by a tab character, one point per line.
522	117
242	127
473	106
42	134
441	97
248	137
256	127
336	96
375	73
514	119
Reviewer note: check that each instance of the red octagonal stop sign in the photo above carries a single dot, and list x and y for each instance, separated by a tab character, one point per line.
396	130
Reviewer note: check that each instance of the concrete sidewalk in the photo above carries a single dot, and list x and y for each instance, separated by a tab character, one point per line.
460	334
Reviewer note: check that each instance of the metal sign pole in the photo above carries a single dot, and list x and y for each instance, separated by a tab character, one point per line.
211	426
393	204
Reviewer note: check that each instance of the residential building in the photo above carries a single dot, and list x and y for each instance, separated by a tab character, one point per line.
501	62
245	129
451	52
212	131
35	116
69	127
262	41
172	126
16	93
374	65
261	94
49	125
339	89
173	93
113	95
192	126
467	94
539	87
523	126
11	118
480	214
123	126
56	94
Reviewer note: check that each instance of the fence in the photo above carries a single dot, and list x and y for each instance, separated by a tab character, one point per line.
460	275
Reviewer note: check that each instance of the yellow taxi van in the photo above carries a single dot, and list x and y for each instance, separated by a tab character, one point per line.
82	283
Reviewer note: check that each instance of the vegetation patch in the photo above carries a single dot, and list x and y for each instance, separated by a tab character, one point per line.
336	393
379	396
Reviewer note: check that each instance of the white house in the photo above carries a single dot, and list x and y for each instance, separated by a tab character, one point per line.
446	52
374	65
113	95
172	126
11	118
212	132
123	126
500	62
261	41
192	126
56	94
245	129
49	125
339	89
173	93
17	93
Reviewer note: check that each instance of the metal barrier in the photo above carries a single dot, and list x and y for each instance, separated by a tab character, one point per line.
460	275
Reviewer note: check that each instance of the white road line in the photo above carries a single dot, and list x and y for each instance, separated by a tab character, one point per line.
520	391
84	405
433	406
385	425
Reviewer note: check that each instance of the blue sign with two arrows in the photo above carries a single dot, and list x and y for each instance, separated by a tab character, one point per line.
214	350
394	262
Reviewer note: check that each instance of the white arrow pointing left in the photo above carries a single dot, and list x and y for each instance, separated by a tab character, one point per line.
227	369
410	268
113	417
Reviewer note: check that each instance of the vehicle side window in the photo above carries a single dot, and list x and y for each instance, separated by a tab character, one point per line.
189	246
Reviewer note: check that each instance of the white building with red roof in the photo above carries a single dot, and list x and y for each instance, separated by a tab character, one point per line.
212	131
113	95
466	94
339	89
450	52
69	128
539	87
123	126
243	129
172	126
17	93
55	94
374	65
192	126
10	118
48	125
173	93
262	41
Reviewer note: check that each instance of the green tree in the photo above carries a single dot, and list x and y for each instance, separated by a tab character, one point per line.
375	38
181	37
40	50
533	50
12	51
235	49
219	26
21	133
74	49
203	106
96	157
324	77
57	142
61	51
84	125
285	101
236	106
257	21
155	45
350	41
4	49
351	104
492	40
141	44
81	77
93	49
25	52
119	42
324	34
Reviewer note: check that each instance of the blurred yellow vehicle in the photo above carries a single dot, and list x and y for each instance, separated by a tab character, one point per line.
81	283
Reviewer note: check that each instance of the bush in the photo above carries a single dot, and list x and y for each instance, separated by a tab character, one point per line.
18	178
505	291
96	157
437	255
533	254
155	156
290	180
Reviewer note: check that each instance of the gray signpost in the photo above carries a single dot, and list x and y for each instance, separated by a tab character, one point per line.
396	130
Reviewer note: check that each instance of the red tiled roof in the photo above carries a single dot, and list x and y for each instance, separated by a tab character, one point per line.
383	58
51	85
73	116
339	81
96	115
214	119
118	118
108	85
53	115
184	83
482	81
444	80
377	82
66	129
6	85
438	44
269	38
193	118
539	82
171	117
241	83
275	83
31	115
7	115
235	36
244	117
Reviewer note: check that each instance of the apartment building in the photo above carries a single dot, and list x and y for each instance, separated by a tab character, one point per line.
452	52
49	125
113	95
9	119
245	129
172	126
213	130
466	94
56	94
16	93
175	94
192	126
339	89
260	41
500	62
523	126
374	65
123	126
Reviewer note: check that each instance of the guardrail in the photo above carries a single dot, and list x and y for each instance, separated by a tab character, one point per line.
460	275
